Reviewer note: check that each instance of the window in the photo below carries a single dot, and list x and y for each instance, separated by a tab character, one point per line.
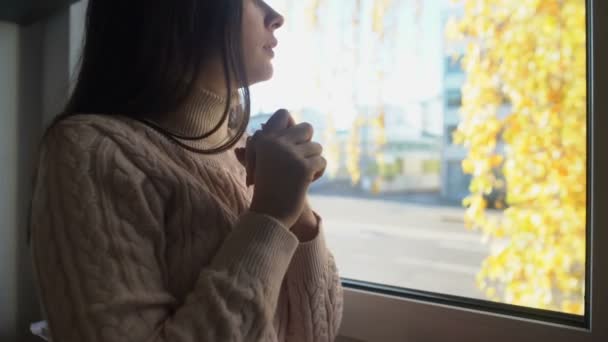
449	134
453	98
397	228
453	65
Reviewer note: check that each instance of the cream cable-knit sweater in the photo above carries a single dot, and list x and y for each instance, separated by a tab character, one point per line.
137	239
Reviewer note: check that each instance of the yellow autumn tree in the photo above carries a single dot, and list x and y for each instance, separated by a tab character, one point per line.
524	114
380	9
353	151
331	148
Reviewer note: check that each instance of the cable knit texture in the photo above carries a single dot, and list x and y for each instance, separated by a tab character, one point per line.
137	239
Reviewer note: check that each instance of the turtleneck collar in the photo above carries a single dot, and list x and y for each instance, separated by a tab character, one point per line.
199	114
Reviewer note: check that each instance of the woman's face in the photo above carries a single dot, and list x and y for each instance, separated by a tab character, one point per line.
259	23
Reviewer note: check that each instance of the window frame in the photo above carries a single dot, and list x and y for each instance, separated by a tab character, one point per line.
370	316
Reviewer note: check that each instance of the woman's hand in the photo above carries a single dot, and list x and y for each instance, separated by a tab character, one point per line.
280	120
282	163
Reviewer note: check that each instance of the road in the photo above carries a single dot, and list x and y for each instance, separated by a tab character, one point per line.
405	245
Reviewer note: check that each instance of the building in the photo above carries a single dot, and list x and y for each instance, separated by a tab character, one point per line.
411	154
454	182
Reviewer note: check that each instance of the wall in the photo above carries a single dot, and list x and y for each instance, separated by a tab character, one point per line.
34	73
9	65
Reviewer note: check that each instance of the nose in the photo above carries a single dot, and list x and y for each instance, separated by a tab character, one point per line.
276	20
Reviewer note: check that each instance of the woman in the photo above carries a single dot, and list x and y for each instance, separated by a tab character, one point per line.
143	225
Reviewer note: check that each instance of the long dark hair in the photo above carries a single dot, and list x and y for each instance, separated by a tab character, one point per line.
141	59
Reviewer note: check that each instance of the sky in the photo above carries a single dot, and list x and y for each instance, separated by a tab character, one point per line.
319	69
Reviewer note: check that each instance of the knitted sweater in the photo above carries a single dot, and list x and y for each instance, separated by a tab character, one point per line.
135	238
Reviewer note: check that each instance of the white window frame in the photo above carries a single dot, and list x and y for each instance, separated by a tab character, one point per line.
374	317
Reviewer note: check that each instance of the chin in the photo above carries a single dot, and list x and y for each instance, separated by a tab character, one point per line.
262	75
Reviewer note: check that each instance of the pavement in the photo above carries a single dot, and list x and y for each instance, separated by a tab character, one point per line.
409	245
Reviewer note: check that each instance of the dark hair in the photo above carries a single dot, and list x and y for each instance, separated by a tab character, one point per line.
141	59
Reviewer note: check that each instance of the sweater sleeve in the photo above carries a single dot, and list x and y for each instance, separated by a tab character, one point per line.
311	303
97	247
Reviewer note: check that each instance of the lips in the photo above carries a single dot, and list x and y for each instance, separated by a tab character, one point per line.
269	51
271	45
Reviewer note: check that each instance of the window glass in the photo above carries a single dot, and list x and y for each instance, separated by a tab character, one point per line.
495	211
